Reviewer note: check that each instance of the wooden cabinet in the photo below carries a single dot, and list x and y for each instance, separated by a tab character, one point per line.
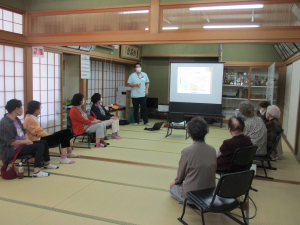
248	83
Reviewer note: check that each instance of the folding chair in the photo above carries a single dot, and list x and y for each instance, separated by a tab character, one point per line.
223	198
25	159
267	158
86	134
241	160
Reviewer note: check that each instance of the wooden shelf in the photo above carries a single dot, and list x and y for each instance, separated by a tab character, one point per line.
235	98
232	85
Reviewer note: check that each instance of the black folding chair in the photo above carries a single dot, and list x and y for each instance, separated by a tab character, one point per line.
176	118
86	134
25	159
241	160
223	198
267	158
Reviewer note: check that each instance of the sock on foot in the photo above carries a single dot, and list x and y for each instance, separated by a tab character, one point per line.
40	174
66	161
50	166
73	155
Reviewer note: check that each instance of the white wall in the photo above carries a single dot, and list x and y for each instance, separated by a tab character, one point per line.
71	76
287	96
291	102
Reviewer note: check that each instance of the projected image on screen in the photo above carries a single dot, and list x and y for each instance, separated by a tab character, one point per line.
195	80
196	88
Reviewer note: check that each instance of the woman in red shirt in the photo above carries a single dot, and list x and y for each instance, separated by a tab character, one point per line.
82	122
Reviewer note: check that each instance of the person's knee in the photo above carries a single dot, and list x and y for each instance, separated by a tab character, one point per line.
39	147
44	142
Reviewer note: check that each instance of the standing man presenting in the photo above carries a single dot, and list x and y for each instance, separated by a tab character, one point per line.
139	83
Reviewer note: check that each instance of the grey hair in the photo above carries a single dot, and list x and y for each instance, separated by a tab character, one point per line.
197	128
273	111
246	108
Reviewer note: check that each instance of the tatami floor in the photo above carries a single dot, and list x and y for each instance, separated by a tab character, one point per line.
127	183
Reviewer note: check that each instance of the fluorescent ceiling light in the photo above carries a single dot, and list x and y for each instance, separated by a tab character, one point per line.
165	28
135	12
225	7
229	26
170	28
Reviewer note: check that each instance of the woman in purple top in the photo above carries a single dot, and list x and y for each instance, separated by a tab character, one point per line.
236	127
13	135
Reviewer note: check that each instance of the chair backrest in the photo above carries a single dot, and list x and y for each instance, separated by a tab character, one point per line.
274	147
242	159
175	117
69	124
233	185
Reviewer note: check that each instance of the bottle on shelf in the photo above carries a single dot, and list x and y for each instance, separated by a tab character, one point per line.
20	171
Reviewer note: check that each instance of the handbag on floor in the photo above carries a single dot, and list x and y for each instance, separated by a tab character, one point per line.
11	173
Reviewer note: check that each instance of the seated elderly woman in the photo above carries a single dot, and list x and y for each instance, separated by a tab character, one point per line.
82	122
236	128
263	105
35	133
254	127
198	163
273	129
100	113
13	137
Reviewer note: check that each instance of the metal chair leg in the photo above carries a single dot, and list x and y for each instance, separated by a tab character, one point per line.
263	166
270	167
244	218
28	167
202	216
183	212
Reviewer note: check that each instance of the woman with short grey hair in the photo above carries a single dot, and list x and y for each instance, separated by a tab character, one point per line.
273	111
274	128
197	165
254	127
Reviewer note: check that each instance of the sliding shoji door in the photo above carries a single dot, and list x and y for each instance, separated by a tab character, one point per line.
109	84
11	76
95	83
47	90
120	76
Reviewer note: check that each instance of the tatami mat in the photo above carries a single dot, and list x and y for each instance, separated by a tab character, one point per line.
277	203
57	218
48	191
17	214
132	205
127	183
121	173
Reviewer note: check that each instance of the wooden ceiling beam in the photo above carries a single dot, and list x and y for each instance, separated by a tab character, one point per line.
245	35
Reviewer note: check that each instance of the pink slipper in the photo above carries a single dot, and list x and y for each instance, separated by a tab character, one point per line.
116	137
103	142
119	137
99	145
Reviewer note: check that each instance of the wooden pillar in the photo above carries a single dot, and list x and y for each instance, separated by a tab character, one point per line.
28	86
282	91
154	17
82	85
